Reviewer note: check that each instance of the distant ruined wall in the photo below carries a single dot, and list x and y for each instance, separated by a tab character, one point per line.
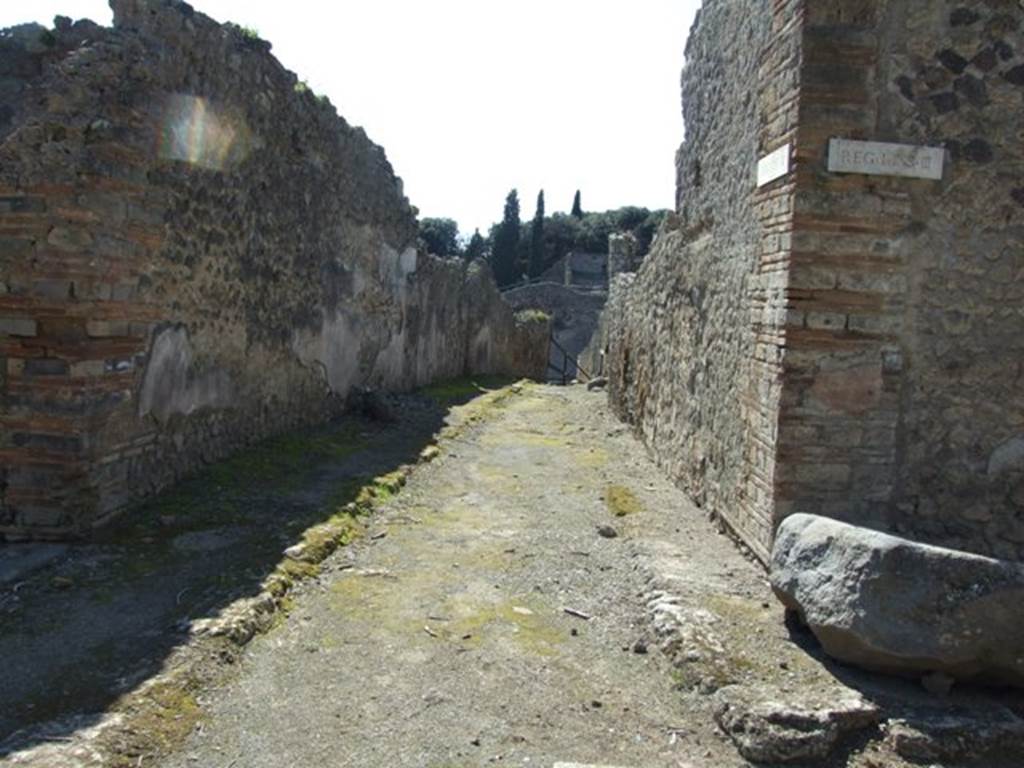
574	315
623	253
840	343
196	252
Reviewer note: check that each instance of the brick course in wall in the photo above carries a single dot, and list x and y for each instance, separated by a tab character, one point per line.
877	372
906	365
196	252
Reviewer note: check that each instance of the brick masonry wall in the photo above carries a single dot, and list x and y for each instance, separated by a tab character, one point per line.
904	407
843	344
840	406
196	252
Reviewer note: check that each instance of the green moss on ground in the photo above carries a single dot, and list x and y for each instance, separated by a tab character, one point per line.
283	459
221	494
513	620
621	501
162	716
455	391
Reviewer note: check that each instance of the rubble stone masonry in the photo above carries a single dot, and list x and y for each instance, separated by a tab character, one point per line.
840	343
196	252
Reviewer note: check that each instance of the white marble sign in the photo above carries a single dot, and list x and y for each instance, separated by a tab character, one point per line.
773	166
880	159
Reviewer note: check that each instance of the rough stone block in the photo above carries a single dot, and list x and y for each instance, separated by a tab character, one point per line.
18	326
22	204
46	442
813	278
88	368
124	291
70	239
109	206
56	289
821	474
893	605
106	328
39	517
15	247
875	324
847	390
826	321
773	726
45	366
1007	457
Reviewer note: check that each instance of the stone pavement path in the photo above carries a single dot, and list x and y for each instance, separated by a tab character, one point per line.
443	639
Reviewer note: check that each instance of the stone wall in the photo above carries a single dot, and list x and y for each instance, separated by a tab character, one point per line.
623	253
693	337
904	403
842	344
196	252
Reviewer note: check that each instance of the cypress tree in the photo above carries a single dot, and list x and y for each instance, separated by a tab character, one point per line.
505	248
475	248
537	239
577	209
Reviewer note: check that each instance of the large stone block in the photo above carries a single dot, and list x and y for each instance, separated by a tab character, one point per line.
893	605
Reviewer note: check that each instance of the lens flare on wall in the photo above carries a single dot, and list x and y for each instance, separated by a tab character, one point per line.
197	132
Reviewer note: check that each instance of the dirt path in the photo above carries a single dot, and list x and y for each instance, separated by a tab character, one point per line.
445	641
538	594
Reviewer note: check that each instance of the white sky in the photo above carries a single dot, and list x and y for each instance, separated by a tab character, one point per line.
473	97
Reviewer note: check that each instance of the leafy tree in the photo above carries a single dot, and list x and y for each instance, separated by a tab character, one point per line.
537	239
476	248
577	209
439	236
646	230
505	243
595	227
561	231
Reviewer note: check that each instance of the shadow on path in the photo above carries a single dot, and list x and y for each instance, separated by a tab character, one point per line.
932	714
106	614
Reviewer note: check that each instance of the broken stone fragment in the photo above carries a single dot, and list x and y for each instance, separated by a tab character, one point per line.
893	605
770	726
948	736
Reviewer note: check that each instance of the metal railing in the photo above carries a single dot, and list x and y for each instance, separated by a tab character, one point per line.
577	288
569	364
